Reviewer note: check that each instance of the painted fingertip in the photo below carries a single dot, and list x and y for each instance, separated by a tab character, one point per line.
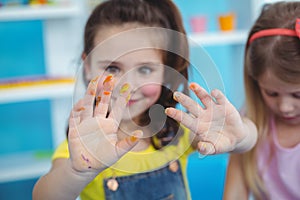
108	78
128	98
95	80
193	86
169	112
92	92
81	108
133	138
106	93
124	88
108	83
176	96
136	135
98	99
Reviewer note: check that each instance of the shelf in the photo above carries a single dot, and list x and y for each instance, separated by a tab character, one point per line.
38	12
36	92
22	166
218	38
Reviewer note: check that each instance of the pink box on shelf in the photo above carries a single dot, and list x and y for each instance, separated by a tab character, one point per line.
198	23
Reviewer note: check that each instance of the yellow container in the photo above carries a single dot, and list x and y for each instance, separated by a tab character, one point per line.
227	22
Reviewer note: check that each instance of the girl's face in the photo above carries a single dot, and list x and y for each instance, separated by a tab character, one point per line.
283	99
141	68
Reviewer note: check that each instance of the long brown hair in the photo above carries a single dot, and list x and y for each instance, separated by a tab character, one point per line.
278	54
148	13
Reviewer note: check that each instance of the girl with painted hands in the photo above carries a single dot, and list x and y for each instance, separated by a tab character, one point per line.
272	81
126	140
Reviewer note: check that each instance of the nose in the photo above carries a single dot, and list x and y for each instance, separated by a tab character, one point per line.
286	105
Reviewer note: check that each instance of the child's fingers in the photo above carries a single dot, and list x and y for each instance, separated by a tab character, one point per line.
193	107
202	94
89	99
120	104
74	118
207	148
102	101
215	142
128	143
77	108
219	96
181	117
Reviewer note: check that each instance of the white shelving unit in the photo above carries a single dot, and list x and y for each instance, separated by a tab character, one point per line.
39	12
63	29
21	166
219	38
54	91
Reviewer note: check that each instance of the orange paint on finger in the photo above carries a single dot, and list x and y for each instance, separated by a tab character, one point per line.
193	86
81	109
106	93
94	81
107	79
92	92
108	83
98	100
133	138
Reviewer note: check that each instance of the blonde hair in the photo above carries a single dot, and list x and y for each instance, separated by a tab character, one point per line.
280	55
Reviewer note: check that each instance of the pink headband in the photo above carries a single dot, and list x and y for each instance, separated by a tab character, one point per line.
277	31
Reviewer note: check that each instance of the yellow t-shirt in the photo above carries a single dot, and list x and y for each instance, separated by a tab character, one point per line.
135	162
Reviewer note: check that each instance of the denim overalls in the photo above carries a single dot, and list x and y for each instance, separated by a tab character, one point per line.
161	184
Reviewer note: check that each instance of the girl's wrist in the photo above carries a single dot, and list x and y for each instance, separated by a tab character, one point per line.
250	139
81	175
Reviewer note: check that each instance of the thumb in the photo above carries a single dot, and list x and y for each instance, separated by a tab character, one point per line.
125	145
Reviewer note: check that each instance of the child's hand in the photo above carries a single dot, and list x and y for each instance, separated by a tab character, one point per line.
218	126
92	139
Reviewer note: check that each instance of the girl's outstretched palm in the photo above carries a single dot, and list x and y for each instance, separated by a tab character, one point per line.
92	139
217	124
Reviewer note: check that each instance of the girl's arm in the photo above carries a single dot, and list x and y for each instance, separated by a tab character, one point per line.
92	143
62	182
217	125
235	188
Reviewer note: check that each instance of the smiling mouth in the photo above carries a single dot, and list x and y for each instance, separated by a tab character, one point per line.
289	118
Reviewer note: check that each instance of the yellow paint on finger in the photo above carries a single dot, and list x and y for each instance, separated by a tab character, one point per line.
124	88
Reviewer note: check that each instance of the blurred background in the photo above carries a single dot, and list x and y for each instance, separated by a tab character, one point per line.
40	48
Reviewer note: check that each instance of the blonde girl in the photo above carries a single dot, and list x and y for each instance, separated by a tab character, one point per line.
272	84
